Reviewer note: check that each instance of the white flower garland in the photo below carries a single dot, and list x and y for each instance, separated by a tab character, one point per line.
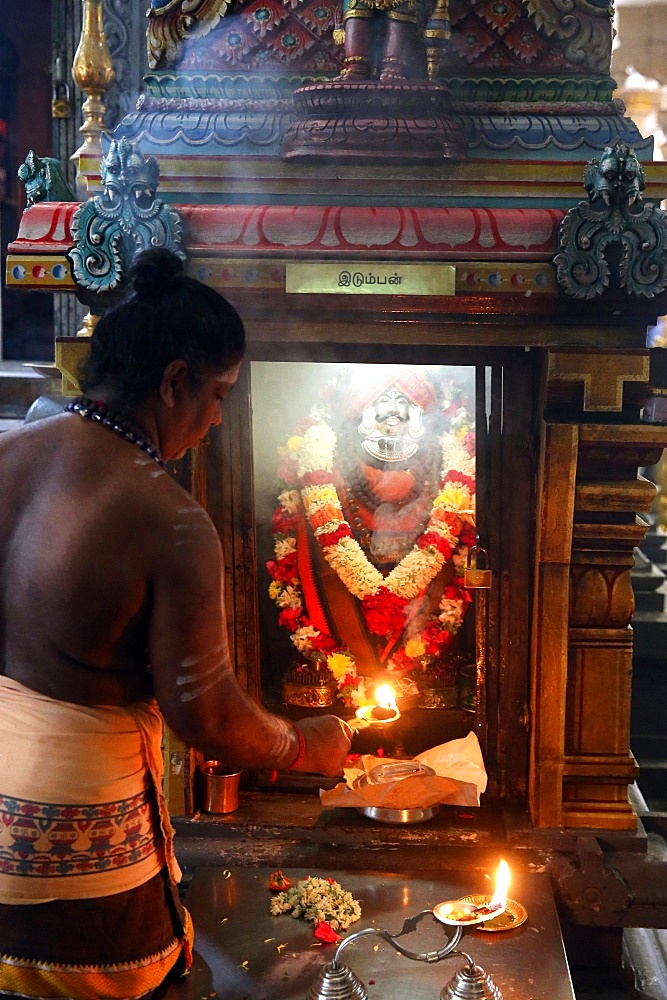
348	560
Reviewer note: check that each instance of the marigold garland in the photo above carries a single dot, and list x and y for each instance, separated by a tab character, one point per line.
306	467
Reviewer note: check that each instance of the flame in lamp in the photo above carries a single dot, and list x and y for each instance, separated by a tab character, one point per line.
384	696
502	885
384	709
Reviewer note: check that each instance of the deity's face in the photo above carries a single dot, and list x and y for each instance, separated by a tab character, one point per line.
392	412
391	426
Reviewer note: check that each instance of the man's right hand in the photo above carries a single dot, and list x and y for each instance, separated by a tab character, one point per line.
328	740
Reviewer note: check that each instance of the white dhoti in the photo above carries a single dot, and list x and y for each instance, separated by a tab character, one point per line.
82	811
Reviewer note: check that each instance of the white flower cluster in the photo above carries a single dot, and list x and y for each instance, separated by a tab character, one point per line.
317	450
318	899
455	456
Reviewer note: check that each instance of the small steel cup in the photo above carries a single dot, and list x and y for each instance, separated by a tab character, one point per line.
219	788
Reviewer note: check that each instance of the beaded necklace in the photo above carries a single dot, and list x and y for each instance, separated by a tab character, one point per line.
92	409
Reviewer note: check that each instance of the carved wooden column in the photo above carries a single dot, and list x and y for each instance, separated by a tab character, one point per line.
555	504
598	762
588	528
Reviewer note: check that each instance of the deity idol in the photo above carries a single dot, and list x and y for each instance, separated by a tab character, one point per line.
393	33
371	536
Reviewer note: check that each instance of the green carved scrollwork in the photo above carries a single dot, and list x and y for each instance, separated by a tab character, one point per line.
44	180
111	228
581	28
614	213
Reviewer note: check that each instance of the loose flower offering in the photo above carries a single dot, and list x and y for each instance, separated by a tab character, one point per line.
278	882
318	900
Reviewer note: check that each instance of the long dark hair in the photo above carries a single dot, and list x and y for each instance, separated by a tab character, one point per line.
167	316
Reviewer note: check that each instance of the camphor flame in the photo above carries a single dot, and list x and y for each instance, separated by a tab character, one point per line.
384	697
502	885
384	709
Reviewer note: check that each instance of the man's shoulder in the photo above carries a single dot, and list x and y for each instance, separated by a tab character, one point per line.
181	520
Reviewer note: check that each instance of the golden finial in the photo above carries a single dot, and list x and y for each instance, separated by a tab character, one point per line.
93	73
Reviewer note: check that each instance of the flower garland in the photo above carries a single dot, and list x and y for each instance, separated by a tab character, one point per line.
306	467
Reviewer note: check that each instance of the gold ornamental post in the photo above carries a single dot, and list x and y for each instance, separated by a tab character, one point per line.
93	73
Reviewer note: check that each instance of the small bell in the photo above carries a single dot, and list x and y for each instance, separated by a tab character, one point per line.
337	982
477	574
471	983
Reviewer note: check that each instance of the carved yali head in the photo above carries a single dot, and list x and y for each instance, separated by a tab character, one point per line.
128	175
110	229
43	179
616	176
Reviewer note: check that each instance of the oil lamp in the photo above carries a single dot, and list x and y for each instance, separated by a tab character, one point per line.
382	712
476	909
471	982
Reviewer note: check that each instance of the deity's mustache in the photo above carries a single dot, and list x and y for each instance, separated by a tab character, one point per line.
370	425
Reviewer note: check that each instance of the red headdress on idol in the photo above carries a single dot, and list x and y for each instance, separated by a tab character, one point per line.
369	382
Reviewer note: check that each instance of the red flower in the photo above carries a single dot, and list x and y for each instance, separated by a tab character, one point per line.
432	538
324	643
448	517
435	637
328	538
283	522
384	612
469	443
278	882
325	933
468	535
317	478
457	591
284	570
453	476
290	618
401	660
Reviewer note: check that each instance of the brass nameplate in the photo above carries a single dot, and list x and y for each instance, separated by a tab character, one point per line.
370	278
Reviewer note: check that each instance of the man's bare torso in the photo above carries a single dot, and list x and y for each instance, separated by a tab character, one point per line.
80	515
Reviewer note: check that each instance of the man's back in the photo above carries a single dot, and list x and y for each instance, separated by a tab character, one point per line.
80	532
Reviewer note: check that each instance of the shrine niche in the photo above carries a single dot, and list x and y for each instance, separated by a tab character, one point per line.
373	521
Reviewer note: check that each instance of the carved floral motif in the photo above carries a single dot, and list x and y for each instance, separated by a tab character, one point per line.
172	22
581	28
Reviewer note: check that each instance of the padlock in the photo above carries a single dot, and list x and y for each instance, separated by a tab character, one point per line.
477	574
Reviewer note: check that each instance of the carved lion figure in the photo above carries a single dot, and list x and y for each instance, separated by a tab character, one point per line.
44	180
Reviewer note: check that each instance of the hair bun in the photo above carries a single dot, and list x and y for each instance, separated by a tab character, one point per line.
155	271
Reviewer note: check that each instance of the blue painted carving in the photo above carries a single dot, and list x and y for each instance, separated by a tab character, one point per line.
561	132
614	213
245	125
44	180
111	228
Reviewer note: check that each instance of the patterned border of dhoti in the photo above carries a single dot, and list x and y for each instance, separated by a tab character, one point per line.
130	981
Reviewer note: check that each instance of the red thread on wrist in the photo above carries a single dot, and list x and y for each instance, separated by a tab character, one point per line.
302	749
